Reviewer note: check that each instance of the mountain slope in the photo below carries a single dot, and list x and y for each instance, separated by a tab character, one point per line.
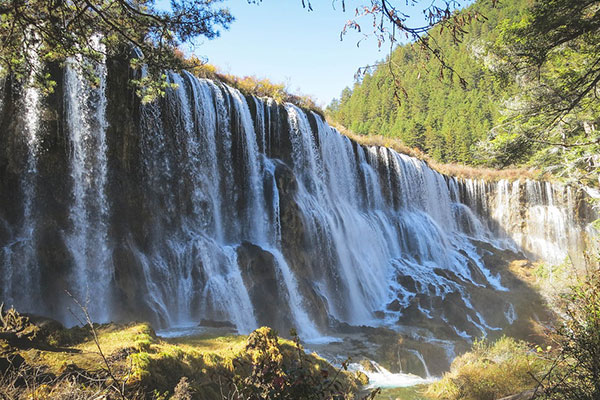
435	113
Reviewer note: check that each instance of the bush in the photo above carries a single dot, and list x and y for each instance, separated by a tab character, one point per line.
491	371
278	372
575	373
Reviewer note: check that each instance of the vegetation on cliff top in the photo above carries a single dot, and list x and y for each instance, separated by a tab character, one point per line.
251	85
451	169
435	115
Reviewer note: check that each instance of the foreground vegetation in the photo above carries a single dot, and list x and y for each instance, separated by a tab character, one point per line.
40	359
405	393
491	371
567	367
47	361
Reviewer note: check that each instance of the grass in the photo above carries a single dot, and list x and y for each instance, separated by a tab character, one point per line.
490	371
252	85
140	340
113	339
157	365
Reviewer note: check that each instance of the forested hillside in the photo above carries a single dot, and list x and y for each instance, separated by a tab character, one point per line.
411	100
436	115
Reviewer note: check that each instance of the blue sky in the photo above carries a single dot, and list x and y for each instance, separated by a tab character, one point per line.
280	40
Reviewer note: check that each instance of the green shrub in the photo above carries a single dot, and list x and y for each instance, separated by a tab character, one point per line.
575	373
274	370
490	371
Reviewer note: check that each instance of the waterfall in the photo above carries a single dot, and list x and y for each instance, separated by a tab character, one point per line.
238	214
536	217
87	241
422	360
208	204
20	283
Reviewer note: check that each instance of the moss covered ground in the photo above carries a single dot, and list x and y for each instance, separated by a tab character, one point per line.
151	366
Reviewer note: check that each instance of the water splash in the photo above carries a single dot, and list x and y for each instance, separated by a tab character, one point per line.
380	377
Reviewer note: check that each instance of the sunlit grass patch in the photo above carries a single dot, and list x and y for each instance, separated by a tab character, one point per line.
490	371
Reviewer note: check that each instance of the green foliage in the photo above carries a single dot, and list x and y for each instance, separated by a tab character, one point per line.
552	56
279	373
433	112
490	371
531	97
34	33
575	374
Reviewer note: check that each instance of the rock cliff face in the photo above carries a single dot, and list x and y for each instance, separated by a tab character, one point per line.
209	205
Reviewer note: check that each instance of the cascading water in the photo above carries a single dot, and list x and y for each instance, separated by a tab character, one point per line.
224	215
533	216
85	109
21	280
207	205
379	377
194	274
